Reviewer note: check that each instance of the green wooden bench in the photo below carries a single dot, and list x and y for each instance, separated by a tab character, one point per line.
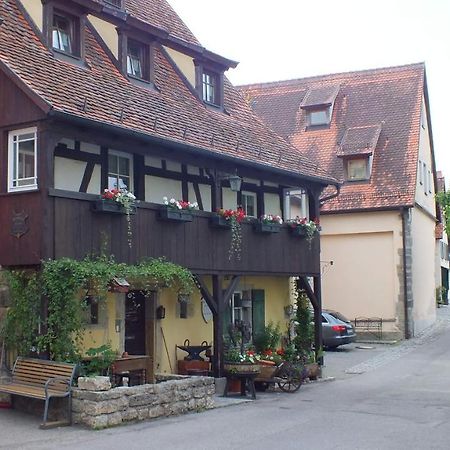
42	380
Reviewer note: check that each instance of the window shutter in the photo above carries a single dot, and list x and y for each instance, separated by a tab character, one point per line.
258	311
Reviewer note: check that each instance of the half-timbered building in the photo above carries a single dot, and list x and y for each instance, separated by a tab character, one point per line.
96	94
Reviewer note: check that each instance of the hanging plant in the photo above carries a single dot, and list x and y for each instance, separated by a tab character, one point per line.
128	202
235	217
61	282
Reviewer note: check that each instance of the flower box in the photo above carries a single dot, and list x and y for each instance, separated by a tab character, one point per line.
298	231
261	227
219	222
175	215
110	207
235	367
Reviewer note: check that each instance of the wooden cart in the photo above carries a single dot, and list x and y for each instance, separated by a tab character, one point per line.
287	375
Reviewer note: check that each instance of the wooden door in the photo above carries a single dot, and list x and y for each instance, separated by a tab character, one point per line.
135	305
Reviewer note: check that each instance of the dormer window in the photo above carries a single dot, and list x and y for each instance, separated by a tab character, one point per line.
318	117
318	105
62	34
209	84
63	27
135	59
357	169
209	87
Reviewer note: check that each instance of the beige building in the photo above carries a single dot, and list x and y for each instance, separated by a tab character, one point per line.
372	131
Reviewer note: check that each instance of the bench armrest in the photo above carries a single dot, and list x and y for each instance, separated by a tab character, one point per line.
49	382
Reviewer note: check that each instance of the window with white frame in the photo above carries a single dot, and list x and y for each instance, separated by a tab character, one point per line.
249	203
295	204
120	167
22	159
420	172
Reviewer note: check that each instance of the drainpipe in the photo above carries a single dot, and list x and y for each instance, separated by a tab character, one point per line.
331	196
405	213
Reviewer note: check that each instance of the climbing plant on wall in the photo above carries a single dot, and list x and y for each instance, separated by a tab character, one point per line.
443	198
58	286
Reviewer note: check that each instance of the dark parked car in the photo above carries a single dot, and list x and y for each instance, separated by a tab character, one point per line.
336	329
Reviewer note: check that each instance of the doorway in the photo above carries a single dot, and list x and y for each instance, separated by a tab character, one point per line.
135	308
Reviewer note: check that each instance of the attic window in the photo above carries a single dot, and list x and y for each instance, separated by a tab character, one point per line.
209	84
63	31
357	169
135	59
210	87
319	117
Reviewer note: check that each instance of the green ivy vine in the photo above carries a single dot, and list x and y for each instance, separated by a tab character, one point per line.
59	283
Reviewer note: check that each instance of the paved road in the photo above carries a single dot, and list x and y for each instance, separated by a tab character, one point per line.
395	398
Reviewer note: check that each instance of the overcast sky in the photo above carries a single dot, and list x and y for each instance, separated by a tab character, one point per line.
278	40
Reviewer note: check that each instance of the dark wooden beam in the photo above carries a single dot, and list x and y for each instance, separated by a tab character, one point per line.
179	176
104	168
88	171
231	288
139	176
210	300
184	183
64	152
198	196
218	325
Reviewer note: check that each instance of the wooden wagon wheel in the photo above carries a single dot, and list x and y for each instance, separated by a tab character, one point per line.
291	378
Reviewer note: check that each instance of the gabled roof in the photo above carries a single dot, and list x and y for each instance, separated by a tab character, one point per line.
159	14
101	94
376	111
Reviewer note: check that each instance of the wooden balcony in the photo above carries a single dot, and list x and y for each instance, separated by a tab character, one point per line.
78	230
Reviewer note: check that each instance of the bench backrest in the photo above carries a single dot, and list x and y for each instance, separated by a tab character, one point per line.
37	371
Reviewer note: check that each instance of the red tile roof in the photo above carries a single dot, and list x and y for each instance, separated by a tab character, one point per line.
388	98
99	92
159	14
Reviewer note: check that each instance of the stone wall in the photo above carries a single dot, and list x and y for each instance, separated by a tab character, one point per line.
124	404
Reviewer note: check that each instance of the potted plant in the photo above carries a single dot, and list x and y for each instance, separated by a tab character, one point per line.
231	218
177	210
304	227
268	223
117	201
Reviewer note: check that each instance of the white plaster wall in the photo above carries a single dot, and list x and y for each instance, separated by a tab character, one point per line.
229	198
423	265
69	174
108	33
34	9
152	161
423	197
205	192
272	204
156	188
95	183
185	63
364	279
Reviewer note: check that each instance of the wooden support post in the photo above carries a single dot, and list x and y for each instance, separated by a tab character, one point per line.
218	325
316	301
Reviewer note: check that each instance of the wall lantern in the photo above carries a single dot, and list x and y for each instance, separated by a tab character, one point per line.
235	182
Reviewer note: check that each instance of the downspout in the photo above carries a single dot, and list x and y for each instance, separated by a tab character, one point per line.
331	196
405	216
